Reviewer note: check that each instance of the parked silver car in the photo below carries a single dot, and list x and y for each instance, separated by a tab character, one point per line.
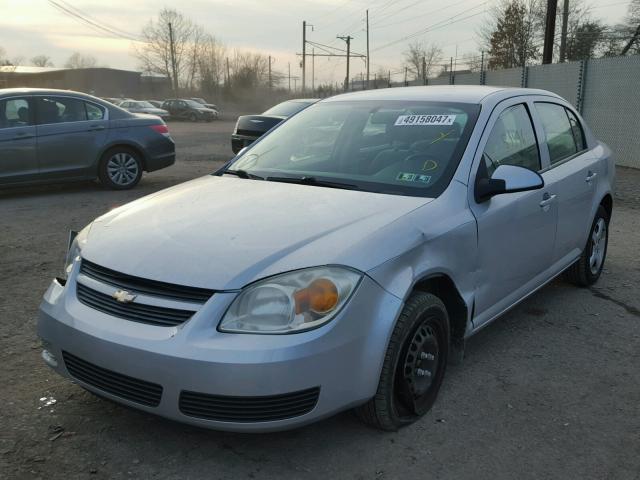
142	106
340	261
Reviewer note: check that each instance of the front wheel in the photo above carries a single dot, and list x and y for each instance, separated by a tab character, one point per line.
587	269
120	168
193	117
414	365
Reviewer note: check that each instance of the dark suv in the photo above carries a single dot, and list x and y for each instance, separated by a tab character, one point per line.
187	109
58	135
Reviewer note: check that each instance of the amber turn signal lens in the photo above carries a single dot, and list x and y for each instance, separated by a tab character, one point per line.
321	296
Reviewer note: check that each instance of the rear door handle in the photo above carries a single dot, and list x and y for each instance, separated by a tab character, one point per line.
93	128
547	200
590	176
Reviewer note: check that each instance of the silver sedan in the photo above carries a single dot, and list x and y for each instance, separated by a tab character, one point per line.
341	261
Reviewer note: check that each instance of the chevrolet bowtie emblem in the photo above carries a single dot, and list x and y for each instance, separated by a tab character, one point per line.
123	296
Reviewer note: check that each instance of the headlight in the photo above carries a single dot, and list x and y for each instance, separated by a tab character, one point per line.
291	302
75	247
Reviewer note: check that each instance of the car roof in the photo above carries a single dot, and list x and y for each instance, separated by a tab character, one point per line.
41	91
449	93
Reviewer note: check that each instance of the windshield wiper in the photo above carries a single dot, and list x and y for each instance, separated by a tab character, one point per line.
313	181
242	174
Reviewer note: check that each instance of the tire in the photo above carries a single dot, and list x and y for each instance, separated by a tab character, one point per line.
587	269
415	363
120	168
193	117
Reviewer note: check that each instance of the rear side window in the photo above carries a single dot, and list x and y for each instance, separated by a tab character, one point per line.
576	128
60	110
15	112
94	112
512	141
558	131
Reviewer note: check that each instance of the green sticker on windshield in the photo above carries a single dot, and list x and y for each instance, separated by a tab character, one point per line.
413	177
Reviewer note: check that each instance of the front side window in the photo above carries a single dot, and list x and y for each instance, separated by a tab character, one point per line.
512	141
557	129
15	112
60	110
397	147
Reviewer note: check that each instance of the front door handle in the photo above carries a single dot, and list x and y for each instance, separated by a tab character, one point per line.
546	201
93	128
590	176
23	135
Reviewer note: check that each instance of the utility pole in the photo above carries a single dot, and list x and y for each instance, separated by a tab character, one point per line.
347	39
389	79
304	52
367	48
549	31
424	70
228	73
406	84
270	84
450	71
174	67
289	76
313	70
563	37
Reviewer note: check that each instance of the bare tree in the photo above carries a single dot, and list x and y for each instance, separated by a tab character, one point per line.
422	56
472	61
250	70
78	60
632	28
211	64
41	61
156	55
195	51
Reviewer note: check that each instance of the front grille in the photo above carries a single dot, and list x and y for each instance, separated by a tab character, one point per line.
136	312
129	388
143	285
248	409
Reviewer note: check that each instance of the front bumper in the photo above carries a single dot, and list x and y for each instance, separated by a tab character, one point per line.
342	358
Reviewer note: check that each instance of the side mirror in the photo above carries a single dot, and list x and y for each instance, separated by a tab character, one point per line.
507	179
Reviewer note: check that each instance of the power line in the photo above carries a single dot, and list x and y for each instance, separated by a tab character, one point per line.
435	26
94	25
105	24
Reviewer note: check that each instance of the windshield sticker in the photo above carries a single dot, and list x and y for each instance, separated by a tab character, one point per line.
405	120
413	177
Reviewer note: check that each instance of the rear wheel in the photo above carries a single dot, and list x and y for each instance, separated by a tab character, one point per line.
120	168
414	365
193	117
588	268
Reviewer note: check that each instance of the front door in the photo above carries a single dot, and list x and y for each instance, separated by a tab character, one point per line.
18	161
516	231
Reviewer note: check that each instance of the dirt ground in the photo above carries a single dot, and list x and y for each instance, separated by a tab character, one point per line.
549	391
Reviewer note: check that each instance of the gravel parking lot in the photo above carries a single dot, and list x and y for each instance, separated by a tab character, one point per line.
551	390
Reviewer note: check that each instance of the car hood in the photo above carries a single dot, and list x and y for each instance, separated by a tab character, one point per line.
223	233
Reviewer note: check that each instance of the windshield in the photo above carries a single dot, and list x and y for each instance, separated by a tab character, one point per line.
199	100
143	105
405	148
286	109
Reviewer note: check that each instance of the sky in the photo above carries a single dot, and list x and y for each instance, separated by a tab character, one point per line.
271	27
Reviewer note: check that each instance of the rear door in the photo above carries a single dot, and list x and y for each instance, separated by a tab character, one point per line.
71	133
18	160
516	231
574	170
